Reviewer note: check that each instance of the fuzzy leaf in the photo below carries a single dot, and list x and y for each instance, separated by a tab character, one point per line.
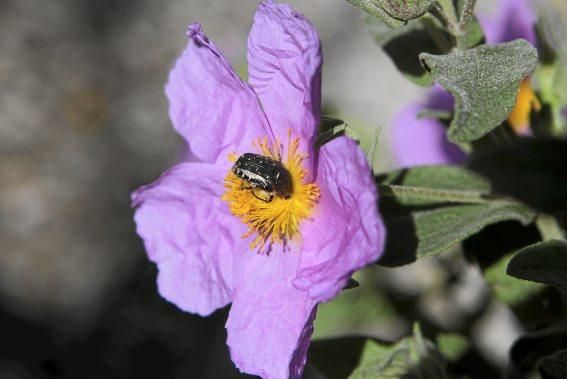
427	210
531	347
507	289
410	357
439	229
375	11
544	262
484	82
405	10
428	185
552	73
394	13
553	366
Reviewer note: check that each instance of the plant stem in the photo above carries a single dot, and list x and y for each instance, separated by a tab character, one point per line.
548	227
464	20
445	12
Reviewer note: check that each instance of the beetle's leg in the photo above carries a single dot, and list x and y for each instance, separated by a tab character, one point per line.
264	199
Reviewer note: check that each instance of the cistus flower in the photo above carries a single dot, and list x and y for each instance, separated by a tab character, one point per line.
215	239
423	141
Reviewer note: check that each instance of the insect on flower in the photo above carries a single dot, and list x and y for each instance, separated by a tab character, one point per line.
267	177
256	216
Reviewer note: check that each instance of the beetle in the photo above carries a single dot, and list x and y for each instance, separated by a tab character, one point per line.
263	173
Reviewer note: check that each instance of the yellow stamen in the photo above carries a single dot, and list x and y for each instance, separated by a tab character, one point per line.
276	221
527	101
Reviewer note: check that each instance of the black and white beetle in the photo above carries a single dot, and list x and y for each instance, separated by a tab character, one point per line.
265	174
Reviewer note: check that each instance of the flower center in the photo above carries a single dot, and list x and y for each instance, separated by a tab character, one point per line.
276	220
519	118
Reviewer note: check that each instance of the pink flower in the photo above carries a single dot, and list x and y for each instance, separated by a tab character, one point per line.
213	240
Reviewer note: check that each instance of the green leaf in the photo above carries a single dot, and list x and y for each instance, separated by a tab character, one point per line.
484	82
410	357
394	13
429	185
403	45
553	366
531	347
354	312
452	346
532	170
337	357
331	128
551	74
439	229
509	290
405	9
544	262
427	210
375	11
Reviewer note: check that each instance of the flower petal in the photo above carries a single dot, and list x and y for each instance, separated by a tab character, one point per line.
423	141
270	322
209	105
346	232
284	67
175	216
513	19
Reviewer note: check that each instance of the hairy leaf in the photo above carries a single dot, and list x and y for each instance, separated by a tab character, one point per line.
484	82
507	289
405	9
531	347
553	366
427	210
552	73
378	12
439	229
394	13
544	262
410	357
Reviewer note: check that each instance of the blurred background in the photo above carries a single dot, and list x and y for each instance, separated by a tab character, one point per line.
83	122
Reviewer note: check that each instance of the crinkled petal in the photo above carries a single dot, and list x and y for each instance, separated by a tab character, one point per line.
346	231
191	236
513	19
423	141
209	105
270	322
284	66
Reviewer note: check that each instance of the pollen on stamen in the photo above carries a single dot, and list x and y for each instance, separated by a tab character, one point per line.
276	221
